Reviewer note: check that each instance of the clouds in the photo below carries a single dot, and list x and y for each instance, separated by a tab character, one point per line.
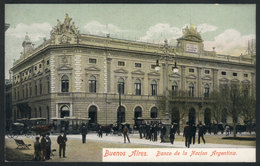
96	28
36	31
157	33
229	42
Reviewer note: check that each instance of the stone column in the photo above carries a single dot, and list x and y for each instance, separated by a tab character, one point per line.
183	78
199	81
108	72
215	79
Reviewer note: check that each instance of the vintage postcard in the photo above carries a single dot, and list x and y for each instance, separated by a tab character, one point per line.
130	82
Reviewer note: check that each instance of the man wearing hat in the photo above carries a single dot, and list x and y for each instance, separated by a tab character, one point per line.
37	149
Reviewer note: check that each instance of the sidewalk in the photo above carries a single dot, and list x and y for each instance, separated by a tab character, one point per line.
134	138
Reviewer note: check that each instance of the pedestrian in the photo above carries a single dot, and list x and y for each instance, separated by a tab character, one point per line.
172	133
48	147
163	133
37	149
61	140
155	132
83	133
187	135
193	131
43	147
125	133
140	129
201	132
100	132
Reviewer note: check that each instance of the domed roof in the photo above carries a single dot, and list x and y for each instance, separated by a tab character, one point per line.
191	34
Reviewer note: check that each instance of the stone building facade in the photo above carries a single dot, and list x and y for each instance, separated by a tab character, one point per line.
78	75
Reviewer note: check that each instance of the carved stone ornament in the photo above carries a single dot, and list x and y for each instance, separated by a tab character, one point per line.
65	33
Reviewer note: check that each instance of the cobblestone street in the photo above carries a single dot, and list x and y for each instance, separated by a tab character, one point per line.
92	150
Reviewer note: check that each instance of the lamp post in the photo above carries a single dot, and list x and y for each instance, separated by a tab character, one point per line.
166	57
119	110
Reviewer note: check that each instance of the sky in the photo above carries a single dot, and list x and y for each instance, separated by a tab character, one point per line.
227	27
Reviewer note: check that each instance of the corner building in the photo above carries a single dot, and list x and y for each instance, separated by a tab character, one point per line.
78	75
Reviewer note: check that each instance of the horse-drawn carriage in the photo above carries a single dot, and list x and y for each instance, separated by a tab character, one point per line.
69	125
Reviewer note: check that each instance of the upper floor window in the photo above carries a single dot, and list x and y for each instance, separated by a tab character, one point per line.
139	65
206	90
138	87
191	70
121	86
92	84
154	88
48	62
223	73
40	65
92	60
174	89
234	74
40	87
64	84
207	71
35	89
245	75
35	67
153	66
191	90
121	63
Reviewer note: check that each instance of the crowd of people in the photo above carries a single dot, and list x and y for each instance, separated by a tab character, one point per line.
42	148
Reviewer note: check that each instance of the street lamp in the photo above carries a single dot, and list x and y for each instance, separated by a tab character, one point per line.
166	57
119	109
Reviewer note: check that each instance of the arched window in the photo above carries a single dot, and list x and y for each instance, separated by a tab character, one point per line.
191	90
40	111
121	114
174	89
138	112
154	112
154	88
35	112
64	84
138	87
121	86
64	111
92	114
92	84
206	90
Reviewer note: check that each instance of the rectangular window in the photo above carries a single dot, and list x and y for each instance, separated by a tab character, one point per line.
139	65
191	70
121	63
245	75
48	62
35	67
153	66
234	74
93	61
207	71
137	88
223	73
40	65
154	89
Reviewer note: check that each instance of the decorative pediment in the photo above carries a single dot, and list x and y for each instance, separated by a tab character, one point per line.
153	73
235	80
175	75
65	67
191	77
121	71
92	68
206	78
138	72
245	82
223	80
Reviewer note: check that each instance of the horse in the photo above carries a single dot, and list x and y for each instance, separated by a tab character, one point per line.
106	129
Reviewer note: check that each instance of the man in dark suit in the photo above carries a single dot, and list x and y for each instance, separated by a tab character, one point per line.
201	132
61	140
83	133
187	134
172	133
